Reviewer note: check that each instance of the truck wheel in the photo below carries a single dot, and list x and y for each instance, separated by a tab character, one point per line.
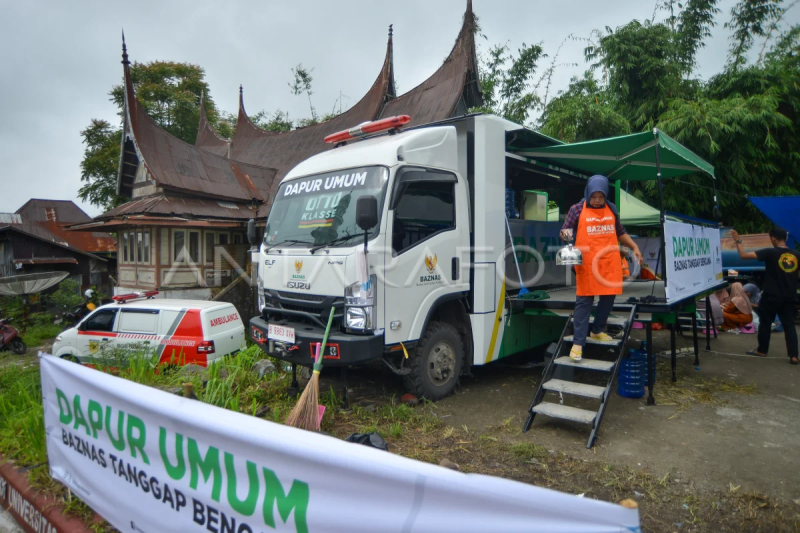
437	362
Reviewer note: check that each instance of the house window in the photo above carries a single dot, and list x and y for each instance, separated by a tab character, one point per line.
139	247
132	245
209	247
124	247
223	238
178	243
146	236
194	246
237	238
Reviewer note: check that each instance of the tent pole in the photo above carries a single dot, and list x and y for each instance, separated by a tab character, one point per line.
661	208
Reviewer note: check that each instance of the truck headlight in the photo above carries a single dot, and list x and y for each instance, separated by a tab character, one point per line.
262	300
360	303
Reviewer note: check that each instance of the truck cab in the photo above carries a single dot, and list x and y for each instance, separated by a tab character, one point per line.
420	285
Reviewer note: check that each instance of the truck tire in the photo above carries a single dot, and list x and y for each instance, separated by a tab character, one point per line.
437	362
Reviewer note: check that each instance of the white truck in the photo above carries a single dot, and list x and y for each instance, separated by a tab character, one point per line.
428	205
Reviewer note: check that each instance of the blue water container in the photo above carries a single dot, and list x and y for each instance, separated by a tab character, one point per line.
632	375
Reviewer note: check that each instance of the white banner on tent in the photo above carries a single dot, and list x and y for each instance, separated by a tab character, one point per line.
694	259
149	461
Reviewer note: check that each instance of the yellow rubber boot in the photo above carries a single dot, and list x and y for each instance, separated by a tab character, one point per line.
576	353
604	337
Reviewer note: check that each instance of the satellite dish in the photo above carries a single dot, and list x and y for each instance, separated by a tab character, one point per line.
27	284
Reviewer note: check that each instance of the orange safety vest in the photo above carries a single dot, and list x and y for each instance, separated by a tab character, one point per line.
626	270
597	241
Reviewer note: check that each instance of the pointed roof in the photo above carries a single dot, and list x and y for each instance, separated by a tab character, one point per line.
283	151
452	89
207	138
175	165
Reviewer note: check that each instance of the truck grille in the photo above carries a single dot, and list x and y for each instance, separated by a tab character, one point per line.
310	307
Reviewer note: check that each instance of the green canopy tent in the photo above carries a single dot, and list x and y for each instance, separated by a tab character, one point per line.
635	157
634	212
651	155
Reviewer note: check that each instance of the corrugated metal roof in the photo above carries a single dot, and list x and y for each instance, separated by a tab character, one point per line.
174	164
177	206
207	138
46	261
437	97
54	216
38	232
10	218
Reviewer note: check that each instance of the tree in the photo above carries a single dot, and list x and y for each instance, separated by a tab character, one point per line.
278	122
583	112
100	165
170	94
302	84
507	91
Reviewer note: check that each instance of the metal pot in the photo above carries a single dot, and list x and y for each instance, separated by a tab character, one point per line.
569	255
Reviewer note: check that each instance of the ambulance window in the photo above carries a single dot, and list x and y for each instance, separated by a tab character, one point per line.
102	320
422	209
138	321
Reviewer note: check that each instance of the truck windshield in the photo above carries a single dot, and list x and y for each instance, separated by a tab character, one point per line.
321	208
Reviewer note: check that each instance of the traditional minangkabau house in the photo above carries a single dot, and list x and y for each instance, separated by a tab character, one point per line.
183	232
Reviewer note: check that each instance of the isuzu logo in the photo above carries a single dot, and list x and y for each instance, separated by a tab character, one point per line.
304	285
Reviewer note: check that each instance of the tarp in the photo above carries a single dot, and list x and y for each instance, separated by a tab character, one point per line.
630	157
634	212
782	211
150	461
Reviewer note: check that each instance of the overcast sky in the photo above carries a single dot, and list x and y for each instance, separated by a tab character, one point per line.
60	60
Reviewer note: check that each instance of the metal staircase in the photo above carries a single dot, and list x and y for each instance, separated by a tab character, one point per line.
599	358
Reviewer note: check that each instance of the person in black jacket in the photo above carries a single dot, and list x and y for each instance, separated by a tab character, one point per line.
779	294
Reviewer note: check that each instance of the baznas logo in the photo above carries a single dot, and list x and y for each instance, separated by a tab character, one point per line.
788	262
298	266
430	263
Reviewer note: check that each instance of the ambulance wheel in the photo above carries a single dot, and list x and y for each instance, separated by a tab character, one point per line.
69	357
437	362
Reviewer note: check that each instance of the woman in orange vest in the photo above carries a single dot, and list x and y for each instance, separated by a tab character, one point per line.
595	223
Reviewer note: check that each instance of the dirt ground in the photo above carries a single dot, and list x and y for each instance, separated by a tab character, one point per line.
747	440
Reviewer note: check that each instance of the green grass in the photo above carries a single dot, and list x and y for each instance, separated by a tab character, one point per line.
22	436
34	335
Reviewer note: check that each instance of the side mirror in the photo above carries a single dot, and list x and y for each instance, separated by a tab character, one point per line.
252	238
367	212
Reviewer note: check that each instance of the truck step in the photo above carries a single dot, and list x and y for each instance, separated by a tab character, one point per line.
612	321
577	389
589	340
565	412
590	364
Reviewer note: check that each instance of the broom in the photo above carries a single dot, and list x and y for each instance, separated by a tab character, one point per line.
305	414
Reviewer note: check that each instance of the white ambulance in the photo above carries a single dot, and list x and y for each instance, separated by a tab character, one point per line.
180	332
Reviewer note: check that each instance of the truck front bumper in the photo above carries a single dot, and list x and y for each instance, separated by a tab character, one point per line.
350	349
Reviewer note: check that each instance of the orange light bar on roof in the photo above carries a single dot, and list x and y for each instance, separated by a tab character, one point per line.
368	127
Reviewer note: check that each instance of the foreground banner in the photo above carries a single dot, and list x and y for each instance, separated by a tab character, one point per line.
694	259
150	462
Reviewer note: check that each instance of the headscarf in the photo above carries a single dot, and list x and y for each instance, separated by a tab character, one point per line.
598	183
722	296
753	293
740	299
